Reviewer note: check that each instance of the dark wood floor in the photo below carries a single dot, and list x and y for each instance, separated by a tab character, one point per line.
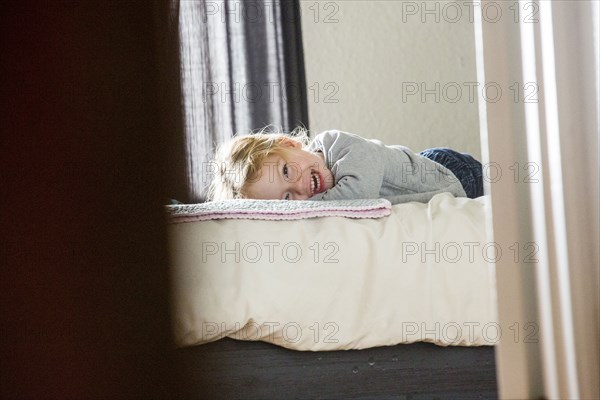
230	369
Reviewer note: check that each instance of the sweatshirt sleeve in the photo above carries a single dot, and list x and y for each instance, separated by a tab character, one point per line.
424	197
358	166
357	170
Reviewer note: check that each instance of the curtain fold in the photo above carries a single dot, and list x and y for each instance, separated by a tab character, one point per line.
242	69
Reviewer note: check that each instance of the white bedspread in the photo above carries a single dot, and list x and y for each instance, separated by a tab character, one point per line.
331	283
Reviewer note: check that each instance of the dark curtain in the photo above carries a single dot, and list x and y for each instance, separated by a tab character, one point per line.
242	69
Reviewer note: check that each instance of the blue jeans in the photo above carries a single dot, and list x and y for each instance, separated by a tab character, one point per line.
467	169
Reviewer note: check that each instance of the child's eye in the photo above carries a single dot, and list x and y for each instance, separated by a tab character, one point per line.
285	170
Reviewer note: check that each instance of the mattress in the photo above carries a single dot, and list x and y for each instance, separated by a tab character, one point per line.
423	273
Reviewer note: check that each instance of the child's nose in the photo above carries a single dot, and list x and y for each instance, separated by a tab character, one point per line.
301	186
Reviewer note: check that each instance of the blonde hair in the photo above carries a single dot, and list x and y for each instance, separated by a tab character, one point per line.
240	160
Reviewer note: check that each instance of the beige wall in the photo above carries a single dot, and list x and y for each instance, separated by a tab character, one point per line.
363	53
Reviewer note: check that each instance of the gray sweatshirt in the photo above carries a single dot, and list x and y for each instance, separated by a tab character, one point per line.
367	168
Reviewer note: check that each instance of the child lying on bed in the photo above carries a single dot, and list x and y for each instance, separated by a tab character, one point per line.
338	165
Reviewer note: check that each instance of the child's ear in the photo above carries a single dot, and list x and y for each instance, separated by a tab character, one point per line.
287	142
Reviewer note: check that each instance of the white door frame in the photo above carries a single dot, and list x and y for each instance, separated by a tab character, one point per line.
540	147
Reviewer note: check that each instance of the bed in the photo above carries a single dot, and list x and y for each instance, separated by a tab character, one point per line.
355	305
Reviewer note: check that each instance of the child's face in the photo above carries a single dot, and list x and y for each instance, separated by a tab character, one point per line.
296	174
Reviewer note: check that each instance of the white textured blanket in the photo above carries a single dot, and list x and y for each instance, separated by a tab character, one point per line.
278	209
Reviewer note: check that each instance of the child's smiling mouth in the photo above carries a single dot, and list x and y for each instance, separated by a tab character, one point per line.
315	183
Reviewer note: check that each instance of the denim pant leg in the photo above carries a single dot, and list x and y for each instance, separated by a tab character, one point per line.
467	169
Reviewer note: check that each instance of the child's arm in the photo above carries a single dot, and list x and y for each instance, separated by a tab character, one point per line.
426	196
354	163
359	165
